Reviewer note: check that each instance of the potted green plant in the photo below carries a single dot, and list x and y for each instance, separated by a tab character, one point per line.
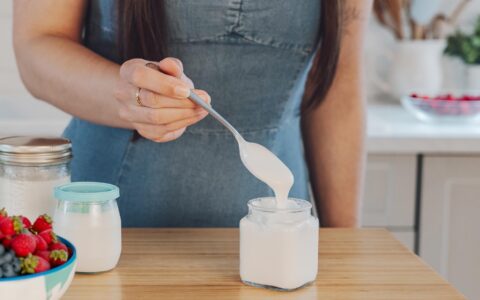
466	46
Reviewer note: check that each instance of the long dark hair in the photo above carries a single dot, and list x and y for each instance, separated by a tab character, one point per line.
143	33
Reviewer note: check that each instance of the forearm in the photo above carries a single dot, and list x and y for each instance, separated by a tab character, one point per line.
71	77
334	148
56	68
334	131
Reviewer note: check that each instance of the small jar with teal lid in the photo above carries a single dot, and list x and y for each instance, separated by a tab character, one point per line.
87	215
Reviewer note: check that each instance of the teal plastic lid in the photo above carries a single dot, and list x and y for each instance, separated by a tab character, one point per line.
87	192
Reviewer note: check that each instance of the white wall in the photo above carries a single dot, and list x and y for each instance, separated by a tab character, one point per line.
20	113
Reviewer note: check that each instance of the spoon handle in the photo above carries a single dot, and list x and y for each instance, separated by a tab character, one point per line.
195	98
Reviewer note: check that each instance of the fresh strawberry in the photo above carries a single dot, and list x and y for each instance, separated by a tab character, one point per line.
7	241
26	222
11	225
24	244
34	264
17	224
58	257
45	254
58	246
48	236
42	223
41	243
6	226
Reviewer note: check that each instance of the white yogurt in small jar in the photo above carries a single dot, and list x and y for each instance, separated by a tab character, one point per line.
279	236
278	246
87	215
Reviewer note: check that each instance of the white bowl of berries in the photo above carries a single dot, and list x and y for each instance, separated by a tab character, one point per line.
445	107
34	262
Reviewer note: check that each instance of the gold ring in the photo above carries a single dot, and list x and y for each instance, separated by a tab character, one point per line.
137	97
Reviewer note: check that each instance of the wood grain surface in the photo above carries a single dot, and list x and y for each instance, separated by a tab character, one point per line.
203	264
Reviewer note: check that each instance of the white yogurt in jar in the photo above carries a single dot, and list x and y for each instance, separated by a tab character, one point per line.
87	215
278	247
97	238
279	236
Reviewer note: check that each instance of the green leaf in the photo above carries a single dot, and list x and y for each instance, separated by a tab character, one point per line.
465	46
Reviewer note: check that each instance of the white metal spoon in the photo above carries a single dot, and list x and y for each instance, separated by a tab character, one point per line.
260	161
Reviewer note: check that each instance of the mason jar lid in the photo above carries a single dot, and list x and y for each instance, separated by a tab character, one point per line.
33	151
87	192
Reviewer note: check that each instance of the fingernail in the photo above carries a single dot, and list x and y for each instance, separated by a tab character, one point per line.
181	91
179	62
209	99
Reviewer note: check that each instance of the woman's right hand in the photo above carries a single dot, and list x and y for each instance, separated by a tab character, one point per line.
165	112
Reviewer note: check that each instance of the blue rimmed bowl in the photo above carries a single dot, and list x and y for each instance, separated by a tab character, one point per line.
49	285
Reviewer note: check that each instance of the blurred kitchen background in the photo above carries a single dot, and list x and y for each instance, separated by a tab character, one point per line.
423	170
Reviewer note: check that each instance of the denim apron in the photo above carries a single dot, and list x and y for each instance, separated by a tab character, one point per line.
252	56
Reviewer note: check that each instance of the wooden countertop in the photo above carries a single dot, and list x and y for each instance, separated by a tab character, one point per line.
203	264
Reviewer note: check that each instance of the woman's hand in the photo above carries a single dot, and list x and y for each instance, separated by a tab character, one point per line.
165	112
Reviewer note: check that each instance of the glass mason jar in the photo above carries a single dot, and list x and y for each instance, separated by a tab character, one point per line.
30	168
87	215
278	246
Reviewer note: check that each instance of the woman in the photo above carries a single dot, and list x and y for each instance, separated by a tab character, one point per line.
134	127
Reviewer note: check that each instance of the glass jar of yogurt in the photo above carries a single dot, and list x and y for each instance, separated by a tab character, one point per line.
30	168
278	246
87	215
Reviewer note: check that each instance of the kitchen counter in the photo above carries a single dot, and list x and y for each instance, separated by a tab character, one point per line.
203	264
392	130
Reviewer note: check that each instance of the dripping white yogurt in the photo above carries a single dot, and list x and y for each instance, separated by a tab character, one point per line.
267	167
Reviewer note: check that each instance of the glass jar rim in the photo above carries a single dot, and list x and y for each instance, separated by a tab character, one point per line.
87	192
304	205
35	150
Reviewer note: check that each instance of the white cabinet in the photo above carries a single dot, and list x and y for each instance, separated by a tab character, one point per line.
450	220
389	196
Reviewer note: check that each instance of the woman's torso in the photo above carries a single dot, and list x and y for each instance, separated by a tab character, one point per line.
252	57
